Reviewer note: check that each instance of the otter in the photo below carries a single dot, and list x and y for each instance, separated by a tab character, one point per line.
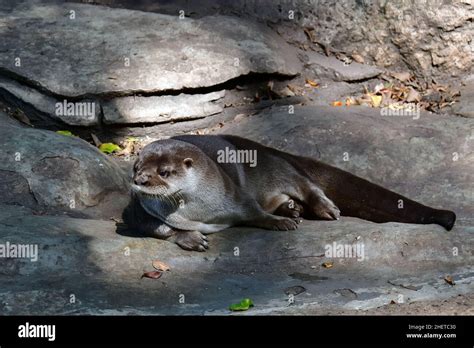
182	191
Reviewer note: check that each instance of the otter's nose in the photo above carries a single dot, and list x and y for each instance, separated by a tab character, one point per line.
141	179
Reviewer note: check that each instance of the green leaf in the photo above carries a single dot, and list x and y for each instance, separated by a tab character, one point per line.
132	139
244	305
66	133
109	148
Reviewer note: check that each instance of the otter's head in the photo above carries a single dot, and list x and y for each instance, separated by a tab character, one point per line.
163	168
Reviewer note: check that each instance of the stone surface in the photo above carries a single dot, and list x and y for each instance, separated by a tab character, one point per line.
430	38
88	258
465	106
116	51
50	105
331	67
131	110
101	262
433	39
44	169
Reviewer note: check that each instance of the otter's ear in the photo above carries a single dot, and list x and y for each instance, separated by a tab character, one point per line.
188	162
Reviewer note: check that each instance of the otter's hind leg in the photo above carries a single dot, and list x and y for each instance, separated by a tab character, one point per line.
320	206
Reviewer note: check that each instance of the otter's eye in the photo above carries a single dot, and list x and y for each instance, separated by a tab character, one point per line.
164	173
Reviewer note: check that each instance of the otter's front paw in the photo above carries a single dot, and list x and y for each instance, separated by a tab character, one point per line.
192	240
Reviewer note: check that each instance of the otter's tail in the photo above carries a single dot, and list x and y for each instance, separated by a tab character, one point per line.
360	198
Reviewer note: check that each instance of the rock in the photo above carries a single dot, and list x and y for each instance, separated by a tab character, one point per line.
43	169
346	293
77	49
465	106
75	113
87	258
431	38
295	290
131	110
331	67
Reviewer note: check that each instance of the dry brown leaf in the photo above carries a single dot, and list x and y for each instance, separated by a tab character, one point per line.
295	89
96	140
379	87
128	149
309	34
358	58
152	275
336	103
328	264
160	266
21	116
285	92
402	76
312	83
413	96
350	101
448	279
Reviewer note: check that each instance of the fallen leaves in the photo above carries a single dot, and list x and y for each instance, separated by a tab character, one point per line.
129	146
295	89
448	279
401	76
402	91
65	132
243	305
358	58
376	100
312	83
109	148
328	264
160	266
152	275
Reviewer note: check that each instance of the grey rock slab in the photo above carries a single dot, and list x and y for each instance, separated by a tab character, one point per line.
89	258
155	109
51	170
429	159
331	67
111	51
75	113
465	106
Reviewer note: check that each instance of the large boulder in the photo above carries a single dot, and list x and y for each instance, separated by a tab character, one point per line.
76	50
42	169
